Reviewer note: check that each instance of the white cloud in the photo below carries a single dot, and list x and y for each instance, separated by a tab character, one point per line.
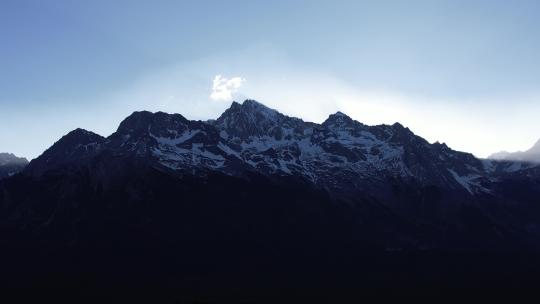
223	88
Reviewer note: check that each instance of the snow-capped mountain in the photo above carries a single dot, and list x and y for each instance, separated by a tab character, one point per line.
255	186
341	155
11	164
385	165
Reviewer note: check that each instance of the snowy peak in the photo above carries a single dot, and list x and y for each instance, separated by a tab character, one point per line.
141	133
252	119
250	108
253	106
340	121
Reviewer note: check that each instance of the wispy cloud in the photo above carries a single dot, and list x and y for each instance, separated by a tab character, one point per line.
224	88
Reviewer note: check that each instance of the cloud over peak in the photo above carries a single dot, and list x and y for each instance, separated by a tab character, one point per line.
223	88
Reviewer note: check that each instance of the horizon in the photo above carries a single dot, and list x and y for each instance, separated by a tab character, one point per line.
451	71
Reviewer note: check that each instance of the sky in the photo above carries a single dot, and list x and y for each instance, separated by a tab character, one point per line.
466	73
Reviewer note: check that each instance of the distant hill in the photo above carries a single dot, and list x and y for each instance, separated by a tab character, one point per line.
11	164
531	155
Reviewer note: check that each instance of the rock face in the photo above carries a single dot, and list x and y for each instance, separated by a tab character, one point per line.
256	185
11	164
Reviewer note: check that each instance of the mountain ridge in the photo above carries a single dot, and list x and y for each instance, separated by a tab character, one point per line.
251	136
386	165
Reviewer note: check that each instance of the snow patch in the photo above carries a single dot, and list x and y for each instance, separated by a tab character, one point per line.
467	181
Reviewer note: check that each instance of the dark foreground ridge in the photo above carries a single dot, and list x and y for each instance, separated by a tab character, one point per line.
257	199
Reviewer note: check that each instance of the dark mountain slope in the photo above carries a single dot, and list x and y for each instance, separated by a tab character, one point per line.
145	226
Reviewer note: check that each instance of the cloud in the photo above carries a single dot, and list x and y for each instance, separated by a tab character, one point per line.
223	88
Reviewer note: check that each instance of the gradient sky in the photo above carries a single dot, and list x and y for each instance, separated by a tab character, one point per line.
462	72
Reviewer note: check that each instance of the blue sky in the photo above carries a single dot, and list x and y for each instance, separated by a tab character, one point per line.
462	72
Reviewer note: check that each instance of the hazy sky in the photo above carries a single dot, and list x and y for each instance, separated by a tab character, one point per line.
462	72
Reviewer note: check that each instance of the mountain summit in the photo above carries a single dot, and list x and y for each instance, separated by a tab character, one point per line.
253	119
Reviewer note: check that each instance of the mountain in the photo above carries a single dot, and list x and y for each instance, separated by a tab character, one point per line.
387	165
339	154
258	197
11	164
532	155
